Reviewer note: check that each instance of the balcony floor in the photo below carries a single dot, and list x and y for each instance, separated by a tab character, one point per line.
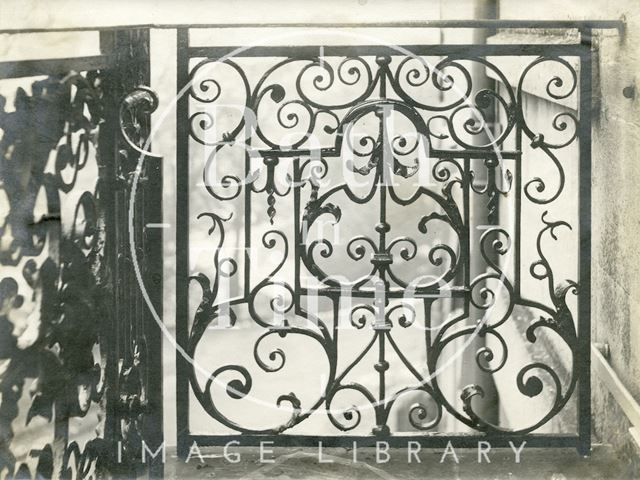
302	463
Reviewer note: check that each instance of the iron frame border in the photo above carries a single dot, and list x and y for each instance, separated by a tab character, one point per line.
583	50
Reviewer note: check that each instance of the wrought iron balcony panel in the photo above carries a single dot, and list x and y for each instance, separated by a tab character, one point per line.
371	216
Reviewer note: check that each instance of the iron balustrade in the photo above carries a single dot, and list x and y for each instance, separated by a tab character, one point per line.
90	113
383	82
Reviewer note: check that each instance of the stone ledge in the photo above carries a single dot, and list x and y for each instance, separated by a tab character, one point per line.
302	463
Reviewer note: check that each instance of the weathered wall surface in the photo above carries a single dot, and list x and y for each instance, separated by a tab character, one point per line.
615	302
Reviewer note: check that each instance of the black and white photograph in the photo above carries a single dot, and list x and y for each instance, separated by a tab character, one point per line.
286	239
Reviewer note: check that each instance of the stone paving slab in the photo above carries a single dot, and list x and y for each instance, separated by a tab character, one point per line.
303	463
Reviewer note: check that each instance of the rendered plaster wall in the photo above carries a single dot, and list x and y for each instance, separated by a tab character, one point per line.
615	302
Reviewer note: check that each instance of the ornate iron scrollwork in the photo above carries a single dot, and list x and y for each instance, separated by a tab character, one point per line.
446	119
